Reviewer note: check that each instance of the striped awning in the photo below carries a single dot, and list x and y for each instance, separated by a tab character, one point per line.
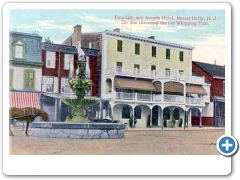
23	99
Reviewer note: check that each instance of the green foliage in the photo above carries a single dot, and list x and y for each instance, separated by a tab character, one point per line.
148	120
131	121
180	122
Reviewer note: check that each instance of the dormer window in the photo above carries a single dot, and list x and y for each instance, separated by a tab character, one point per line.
19	50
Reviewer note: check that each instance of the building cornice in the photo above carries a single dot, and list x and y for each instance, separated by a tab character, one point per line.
148	40
24	63
60	48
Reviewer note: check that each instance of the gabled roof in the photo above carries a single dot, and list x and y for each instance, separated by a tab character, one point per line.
212	69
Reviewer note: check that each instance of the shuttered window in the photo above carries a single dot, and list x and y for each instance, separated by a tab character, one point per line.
29	79
11	75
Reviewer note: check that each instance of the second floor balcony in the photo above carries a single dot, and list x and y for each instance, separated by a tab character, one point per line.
156	98
153	74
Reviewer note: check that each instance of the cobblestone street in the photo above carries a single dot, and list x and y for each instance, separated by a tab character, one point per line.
154	141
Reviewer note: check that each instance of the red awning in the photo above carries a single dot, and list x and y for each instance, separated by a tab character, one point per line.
24	99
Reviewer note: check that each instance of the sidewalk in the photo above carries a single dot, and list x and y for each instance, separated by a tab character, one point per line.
194	128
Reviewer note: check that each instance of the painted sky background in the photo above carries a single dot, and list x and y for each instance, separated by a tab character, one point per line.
209	40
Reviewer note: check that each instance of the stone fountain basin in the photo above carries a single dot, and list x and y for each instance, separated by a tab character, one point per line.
69	130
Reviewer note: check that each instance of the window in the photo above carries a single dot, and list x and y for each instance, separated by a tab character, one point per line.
136	68
125	112
119	64
167	53
68	61
167	72
181	71
119	67
180	55
119	46
137	48
11	78
154	52
65	87
153	69
50	59
18	50
29	79
48	84
137	112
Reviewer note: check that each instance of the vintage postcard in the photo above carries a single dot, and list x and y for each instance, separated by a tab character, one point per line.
141	82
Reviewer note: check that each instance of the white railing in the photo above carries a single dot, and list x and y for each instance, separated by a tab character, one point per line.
125	96
190	100
182	77
173	98
144	97
162	73
141	73
158	97
196	79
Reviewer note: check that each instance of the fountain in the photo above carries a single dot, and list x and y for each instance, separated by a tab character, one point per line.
79	126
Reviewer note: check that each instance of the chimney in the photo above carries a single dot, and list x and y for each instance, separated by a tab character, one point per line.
90	45
77	34
215	62
116	30
151	37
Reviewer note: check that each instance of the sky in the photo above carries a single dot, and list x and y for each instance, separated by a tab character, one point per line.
202	29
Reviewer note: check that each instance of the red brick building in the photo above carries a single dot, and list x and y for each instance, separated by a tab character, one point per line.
59	65
215	75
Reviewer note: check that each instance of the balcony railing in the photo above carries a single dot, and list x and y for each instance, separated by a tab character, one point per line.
141	73
190	100
162	73
173	98
157	98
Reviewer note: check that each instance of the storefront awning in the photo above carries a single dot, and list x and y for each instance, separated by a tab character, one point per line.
194	89
126	83
23	99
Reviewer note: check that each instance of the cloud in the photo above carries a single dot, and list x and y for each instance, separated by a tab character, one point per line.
44	25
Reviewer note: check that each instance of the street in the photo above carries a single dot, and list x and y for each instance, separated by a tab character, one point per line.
146	141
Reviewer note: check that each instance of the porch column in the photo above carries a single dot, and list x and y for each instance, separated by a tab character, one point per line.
57	114
162	91
150	116
159	114
200	123
162	118
184	93
133	125
190	118
100	109
184	119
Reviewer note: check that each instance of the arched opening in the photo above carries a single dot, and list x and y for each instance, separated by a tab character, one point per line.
155	114
176	114
138	112
126	112
108	86
166	113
